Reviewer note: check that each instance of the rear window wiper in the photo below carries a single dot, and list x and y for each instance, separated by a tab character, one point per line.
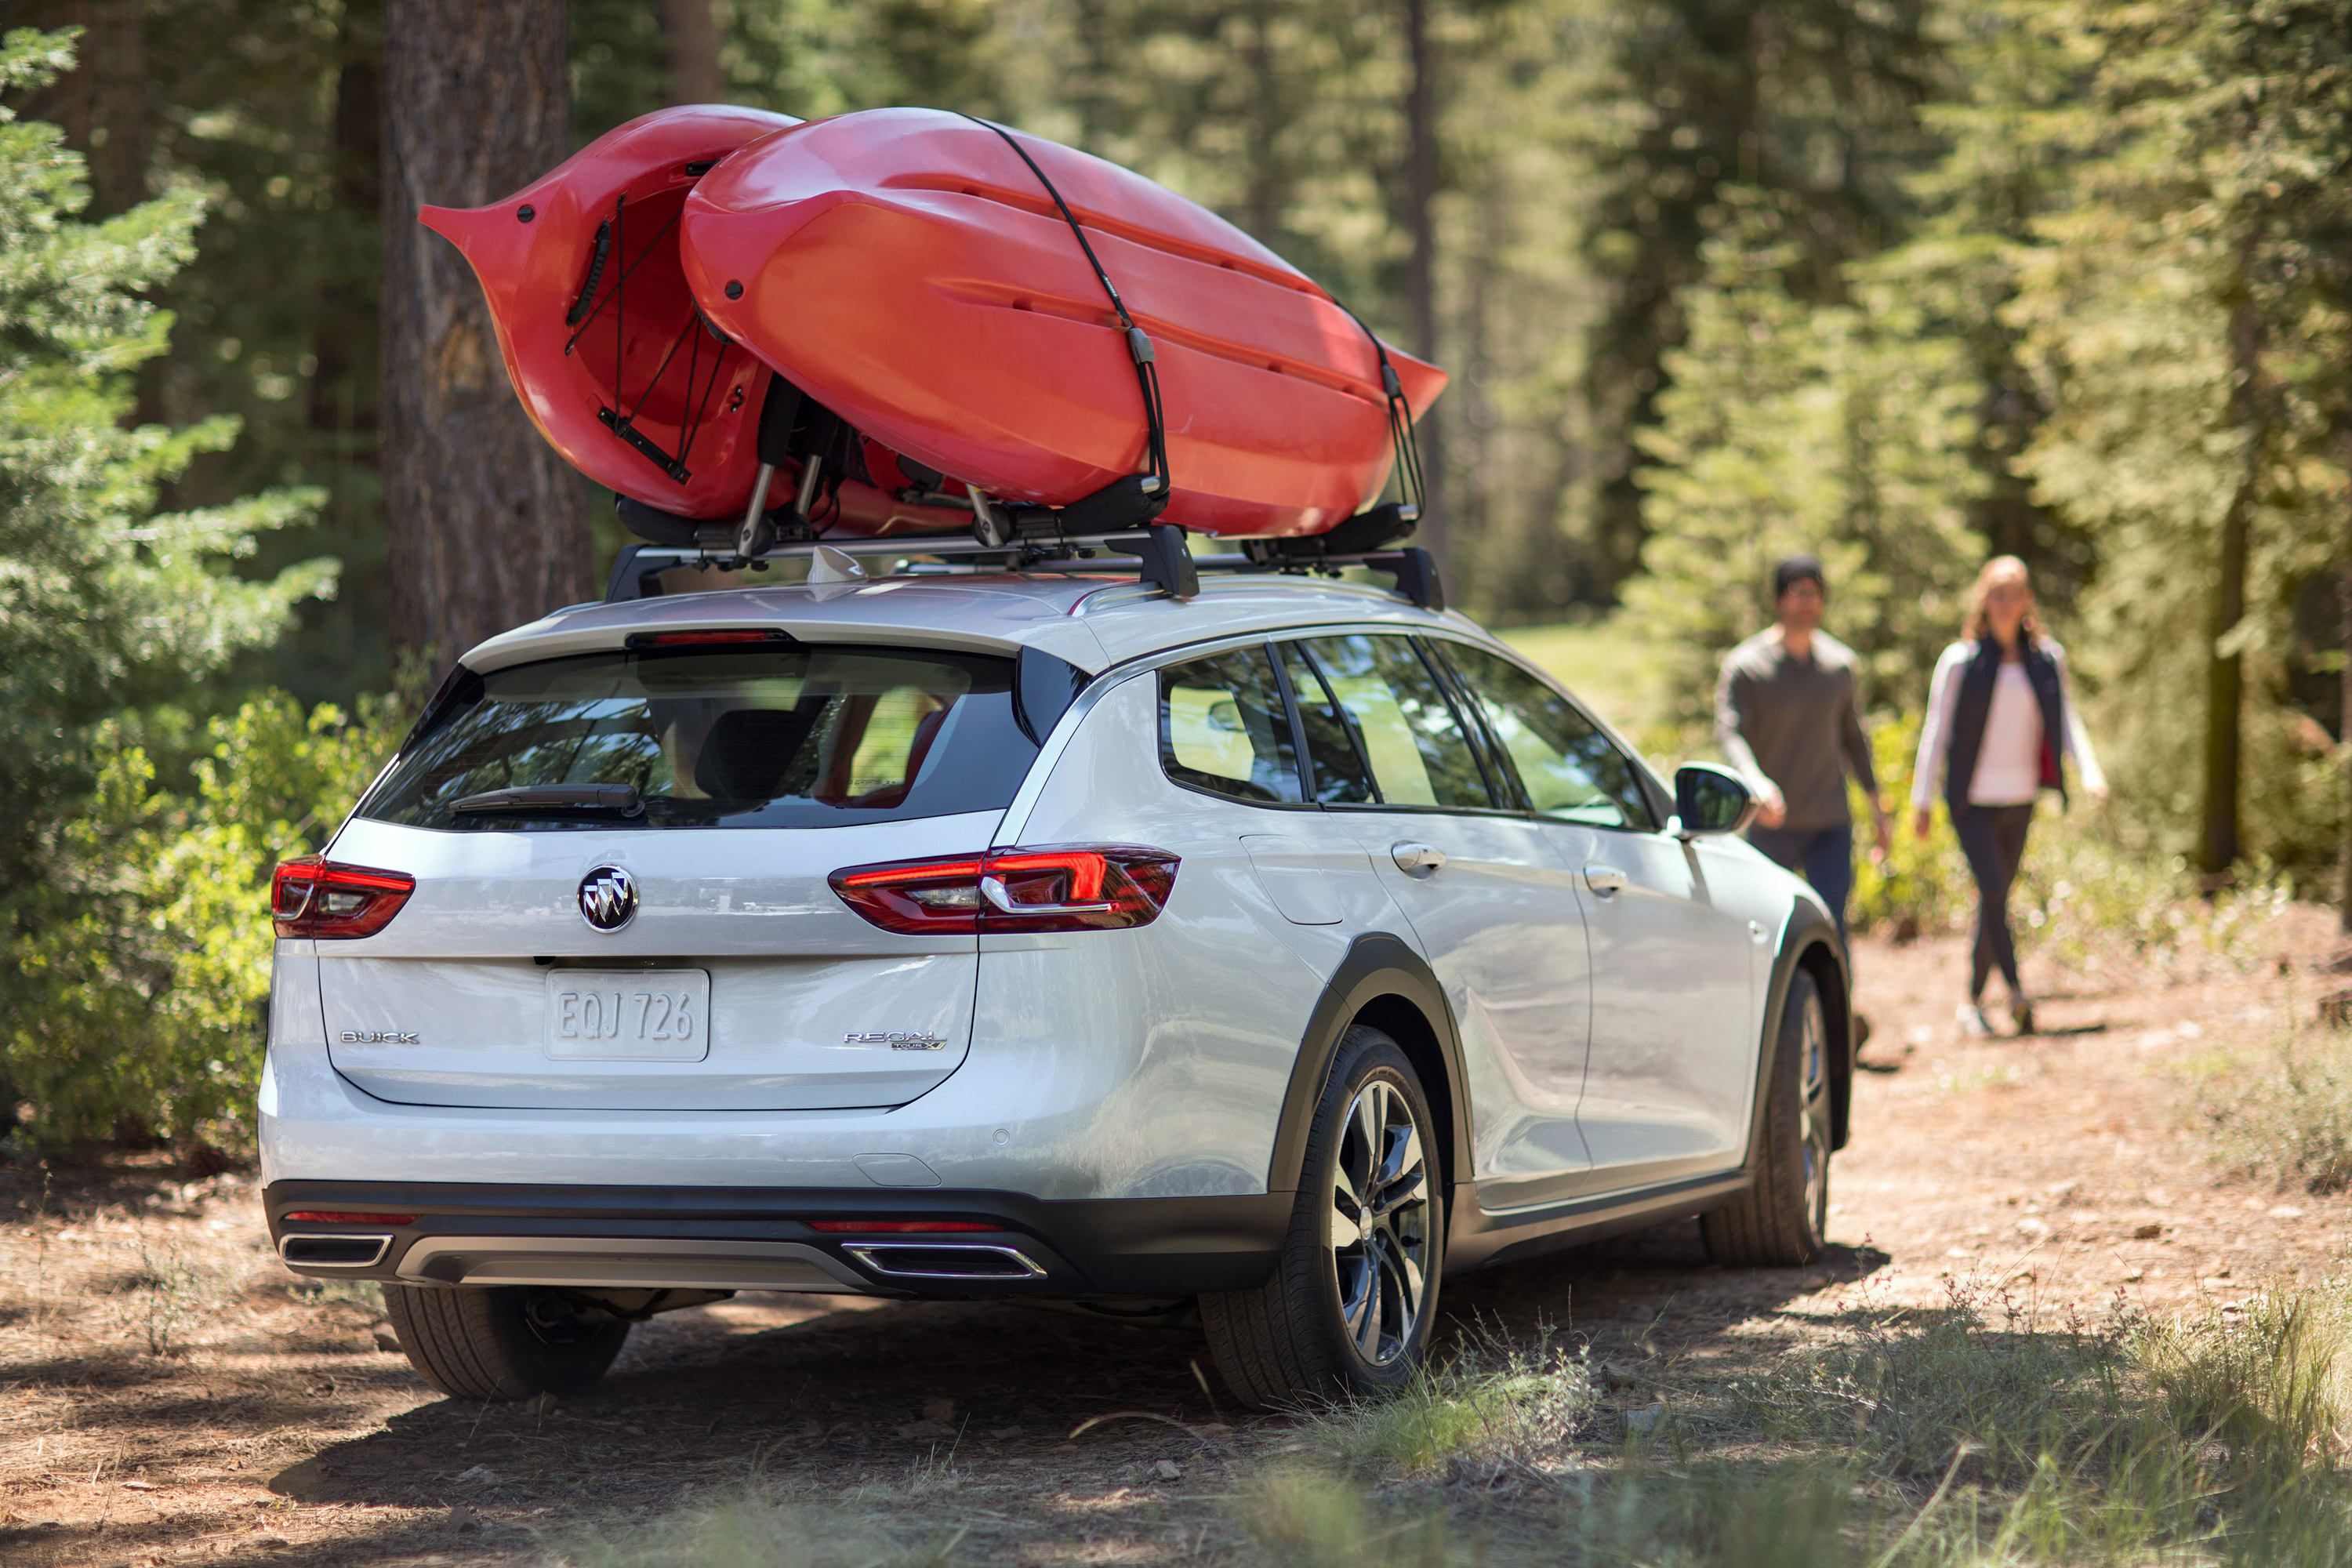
552	800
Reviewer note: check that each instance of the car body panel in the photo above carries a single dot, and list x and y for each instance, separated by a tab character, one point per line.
449	1005
1599	1063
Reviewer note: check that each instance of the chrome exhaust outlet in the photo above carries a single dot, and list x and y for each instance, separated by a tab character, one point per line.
945	1260
338	1251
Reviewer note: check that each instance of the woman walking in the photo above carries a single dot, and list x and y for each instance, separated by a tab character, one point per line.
2000	716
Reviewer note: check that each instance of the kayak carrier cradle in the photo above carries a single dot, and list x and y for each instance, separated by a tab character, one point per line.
1157	555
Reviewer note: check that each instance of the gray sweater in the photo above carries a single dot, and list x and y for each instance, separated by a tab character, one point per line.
1785	720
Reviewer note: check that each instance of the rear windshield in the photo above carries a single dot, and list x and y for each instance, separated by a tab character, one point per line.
777	735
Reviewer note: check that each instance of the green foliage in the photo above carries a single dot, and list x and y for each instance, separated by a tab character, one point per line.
144	957
1840	431
1923	885
104	602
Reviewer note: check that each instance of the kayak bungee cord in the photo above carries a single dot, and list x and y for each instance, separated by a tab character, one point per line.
1147	370
1409	492
611	239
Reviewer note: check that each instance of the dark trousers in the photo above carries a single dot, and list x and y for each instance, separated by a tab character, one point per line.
1823	855
1993	838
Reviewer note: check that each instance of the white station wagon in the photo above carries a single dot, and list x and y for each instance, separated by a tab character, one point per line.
1279	948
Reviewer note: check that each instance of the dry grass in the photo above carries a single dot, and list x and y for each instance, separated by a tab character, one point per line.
2284	1114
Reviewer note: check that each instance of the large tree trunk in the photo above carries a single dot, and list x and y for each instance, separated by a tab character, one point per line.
101	103
693	51
2344	733
485	526
1421	286
2225	669
2344	704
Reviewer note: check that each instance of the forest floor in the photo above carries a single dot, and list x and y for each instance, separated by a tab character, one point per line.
168	1394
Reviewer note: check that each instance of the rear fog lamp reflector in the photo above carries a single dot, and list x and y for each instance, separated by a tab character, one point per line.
899	1226
336	1217
1048	888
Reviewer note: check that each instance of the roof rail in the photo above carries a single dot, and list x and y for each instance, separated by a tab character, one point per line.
1157	555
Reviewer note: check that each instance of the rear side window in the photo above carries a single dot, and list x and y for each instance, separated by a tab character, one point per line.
1223	728
773	735
1409	732
1332	759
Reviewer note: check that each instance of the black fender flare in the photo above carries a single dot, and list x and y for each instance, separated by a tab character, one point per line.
1809	941
1379	968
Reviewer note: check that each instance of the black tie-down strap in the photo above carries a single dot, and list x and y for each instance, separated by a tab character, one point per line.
1133	500
1378	525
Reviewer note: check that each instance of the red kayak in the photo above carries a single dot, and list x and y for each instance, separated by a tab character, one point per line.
554	258
912	277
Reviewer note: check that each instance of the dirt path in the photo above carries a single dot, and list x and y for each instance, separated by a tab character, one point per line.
168	1394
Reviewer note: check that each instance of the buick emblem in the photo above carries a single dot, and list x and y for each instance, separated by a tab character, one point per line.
608	897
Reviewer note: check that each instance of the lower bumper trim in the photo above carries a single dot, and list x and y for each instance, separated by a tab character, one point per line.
763	1238
625	1263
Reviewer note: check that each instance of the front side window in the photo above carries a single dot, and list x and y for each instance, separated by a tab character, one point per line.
1409	732
1224	727
759	735
1567	767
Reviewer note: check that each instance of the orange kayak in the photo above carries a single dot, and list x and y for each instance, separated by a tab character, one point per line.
909	274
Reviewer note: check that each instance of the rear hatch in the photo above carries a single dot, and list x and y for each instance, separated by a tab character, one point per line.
621	897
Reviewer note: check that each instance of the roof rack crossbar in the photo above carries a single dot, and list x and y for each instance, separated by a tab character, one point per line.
1157	555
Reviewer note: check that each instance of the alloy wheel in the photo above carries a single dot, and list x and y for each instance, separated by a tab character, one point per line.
1380	1220
1814	1120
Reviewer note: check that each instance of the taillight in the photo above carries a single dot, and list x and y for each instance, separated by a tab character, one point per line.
313	897
899	1226
1053	887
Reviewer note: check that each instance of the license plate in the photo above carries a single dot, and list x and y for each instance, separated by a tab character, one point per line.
628	1015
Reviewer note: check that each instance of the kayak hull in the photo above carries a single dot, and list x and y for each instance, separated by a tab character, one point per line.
630	349
908	270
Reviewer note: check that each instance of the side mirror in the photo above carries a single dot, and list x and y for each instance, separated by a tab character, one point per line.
1708	799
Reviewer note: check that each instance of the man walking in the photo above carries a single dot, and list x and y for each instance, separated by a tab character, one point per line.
1784	714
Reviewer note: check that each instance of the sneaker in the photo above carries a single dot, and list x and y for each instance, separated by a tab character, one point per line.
2021	1013
1971	1019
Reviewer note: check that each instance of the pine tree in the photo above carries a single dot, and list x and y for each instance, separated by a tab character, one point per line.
105	602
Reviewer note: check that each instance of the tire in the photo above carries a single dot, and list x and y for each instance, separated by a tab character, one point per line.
1779	1221
502	1342
1348	1308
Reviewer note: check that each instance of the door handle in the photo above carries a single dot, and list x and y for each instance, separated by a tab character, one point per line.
1605	880
1417	856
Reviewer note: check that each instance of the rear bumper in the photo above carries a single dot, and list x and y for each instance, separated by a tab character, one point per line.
757	1238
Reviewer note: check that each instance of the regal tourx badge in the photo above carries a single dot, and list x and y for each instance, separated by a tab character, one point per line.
608	897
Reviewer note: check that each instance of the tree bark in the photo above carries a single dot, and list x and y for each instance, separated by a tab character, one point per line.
693	52
101	103
343	389
2225	671
1420	288
2344	724
2344	740
485	526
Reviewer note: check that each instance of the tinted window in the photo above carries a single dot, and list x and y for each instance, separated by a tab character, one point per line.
1567	767
779	735
1333	762
1409	732
1223	728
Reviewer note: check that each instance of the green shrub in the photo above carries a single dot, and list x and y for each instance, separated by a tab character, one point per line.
143	968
